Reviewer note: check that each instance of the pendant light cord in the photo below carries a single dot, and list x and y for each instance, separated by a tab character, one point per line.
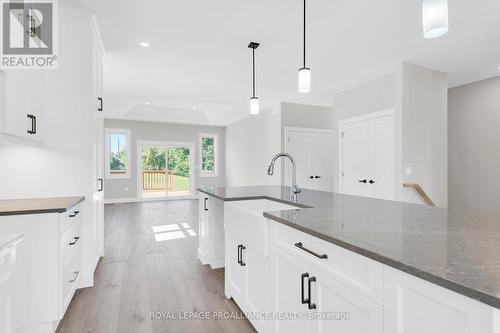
253	71
304	34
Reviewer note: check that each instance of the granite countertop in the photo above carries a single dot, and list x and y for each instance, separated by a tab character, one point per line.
455	249
38	205
9	240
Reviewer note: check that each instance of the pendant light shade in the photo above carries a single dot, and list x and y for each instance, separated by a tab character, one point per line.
304	80
304	72
435	18
254	101
254	105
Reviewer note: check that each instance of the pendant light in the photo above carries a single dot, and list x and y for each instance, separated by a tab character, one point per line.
254	101
304	72
435	18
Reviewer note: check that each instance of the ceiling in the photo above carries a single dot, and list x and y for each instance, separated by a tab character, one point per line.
198	68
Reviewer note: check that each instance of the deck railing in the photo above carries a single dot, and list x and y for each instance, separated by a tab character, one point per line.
154	180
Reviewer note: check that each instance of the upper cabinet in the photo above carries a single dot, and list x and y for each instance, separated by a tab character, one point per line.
98	77
23	106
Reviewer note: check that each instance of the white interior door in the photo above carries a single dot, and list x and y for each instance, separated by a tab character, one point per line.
367	155
355	153
313	150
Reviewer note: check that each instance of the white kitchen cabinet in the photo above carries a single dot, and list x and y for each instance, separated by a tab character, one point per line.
313	150
23	103
412	305
48	266
211	231
235	277
7	267
367	154
98	73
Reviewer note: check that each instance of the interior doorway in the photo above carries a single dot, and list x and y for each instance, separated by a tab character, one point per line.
165	170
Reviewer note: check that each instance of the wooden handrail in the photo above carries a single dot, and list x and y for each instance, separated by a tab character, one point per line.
421	193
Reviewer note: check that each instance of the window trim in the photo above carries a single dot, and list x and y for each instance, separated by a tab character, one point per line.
214	173
108	132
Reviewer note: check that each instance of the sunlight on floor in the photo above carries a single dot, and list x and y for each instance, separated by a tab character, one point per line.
167	232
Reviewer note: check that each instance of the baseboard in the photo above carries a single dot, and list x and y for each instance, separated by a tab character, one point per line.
218	263
129	200
202	256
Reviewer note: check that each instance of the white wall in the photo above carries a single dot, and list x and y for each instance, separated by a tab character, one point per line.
251	143
474	146
148	131
424	132
63	165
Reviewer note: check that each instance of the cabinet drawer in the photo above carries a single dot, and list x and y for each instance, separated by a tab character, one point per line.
70	242
354	271
69	218
69	275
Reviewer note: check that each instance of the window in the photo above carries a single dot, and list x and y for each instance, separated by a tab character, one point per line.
208	155
117	153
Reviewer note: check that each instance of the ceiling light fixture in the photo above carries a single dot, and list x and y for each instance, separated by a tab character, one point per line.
254	101
304	72
147	103
435	18
144	44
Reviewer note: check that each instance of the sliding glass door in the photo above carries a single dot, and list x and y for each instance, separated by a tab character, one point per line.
165	170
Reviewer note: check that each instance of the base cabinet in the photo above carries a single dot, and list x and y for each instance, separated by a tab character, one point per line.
211	231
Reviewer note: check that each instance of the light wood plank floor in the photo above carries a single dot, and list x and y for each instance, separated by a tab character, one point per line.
147	269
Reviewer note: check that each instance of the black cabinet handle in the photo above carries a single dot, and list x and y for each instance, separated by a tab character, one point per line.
371	181
239	254
242	262
75	213
320	256
33	124
101	185
309	304
100	108
317	177
205	207
362	181
302	299
75	240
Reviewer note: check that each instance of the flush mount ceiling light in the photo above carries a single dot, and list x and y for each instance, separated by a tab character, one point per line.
147	103
254	101
144	44
304	72
435	18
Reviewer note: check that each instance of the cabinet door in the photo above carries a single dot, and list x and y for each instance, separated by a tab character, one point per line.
348	311
288	293
236	271
203	228
98	81
323	160
24	103
259	284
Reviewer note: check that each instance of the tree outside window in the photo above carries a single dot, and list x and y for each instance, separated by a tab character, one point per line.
208	155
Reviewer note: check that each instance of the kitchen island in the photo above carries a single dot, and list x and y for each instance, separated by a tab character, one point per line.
413	266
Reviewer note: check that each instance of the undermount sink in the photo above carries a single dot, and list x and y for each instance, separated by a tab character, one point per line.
262	205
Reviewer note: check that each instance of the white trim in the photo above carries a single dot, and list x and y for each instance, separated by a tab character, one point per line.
165	144
368	116
107	171
96	35
129	200
215	173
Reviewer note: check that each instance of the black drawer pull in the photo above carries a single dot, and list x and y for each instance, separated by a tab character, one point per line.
75	240
205	204
310	305
101	185
33	124
302	299
100	107
320	256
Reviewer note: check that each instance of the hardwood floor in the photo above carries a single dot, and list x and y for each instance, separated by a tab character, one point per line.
147	269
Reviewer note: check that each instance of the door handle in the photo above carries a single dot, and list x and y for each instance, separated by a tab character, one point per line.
317	177
75	241
371	181
310	305
101	185
320	256
362	181
33	124
100	108
312	177
205	207
302	299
